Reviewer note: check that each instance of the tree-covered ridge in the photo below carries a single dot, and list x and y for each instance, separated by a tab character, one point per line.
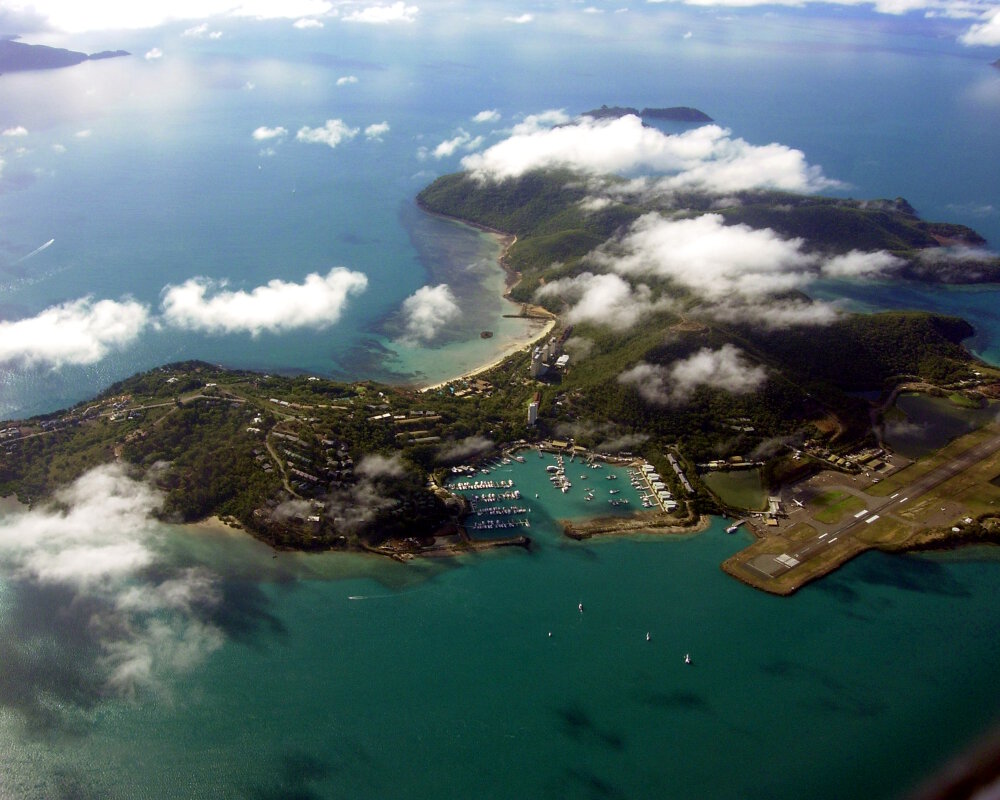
556	223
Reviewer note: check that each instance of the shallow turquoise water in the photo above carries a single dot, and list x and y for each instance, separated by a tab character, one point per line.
439	678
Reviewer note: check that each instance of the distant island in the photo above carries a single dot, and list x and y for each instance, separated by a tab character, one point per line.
20	57
672	114
313	464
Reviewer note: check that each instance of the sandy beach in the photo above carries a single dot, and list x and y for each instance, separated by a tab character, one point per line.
536	314
514	347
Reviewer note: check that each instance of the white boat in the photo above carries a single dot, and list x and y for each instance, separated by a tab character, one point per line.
580	606
687	658
648	637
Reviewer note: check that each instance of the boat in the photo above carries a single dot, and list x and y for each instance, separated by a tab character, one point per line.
648	637
614	491
580	606
687	658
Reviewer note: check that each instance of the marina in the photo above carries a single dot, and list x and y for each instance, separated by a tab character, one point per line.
505	493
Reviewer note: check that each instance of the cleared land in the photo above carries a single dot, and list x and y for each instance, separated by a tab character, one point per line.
935	502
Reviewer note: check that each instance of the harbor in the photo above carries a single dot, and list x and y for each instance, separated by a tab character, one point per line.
506	493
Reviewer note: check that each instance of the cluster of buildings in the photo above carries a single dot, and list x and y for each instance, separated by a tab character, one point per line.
548	356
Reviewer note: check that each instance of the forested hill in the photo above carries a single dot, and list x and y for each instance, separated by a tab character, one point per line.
546	211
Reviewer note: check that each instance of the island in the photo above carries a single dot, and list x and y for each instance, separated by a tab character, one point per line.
693	393
17	56
671	114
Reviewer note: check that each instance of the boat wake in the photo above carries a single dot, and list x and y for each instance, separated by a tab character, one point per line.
34	252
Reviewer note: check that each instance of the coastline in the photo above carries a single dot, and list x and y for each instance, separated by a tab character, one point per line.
528	311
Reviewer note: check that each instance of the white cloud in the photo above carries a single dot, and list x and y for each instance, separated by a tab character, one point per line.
427	311
377	130
985	33
489	115
382	15
523	19
95	555
463	140
714	260
154	54
317	302
603	299
704	158
331	134
347	79
287	9
18	130
687	35
201	31
86	133
306	23
59	148
674	384
263	133
857	264
78	332
593	10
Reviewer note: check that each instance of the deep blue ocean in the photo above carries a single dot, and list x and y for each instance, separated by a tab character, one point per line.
333	676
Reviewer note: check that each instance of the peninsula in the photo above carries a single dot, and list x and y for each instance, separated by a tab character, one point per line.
308	463
17	56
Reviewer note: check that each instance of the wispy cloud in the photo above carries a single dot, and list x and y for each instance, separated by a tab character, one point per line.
331	134
521	19
307	23
78	332
427	311
726	368
383	15
18	130
201	32
346	80
463	140
129	620
154	54
471	447
488	115
205	305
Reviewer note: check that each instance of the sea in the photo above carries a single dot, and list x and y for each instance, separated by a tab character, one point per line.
144	660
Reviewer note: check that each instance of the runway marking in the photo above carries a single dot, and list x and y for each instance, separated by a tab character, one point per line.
871	519
860	514
894	496
823	536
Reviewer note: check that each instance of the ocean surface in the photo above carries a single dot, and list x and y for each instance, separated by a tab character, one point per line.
344	676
